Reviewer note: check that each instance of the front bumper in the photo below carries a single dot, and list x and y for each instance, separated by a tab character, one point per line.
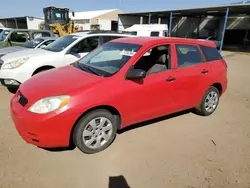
47	131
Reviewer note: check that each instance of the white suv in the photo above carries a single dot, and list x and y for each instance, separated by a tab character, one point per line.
17	67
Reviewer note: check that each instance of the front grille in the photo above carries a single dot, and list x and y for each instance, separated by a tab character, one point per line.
22	99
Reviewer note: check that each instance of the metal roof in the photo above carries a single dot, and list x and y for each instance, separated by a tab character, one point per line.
90	14
235	9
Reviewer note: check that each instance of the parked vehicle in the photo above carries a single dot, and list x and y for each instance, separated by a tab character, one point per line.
17	37
18	67
213	39
40	42
146	30
123	82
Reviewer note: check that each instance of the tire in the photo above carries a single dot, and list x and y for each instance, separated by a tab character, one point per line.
12	90
204	109
94	137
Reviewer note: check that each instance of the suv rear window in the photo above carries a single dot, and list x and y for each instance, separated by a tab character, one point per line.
155	33
211	54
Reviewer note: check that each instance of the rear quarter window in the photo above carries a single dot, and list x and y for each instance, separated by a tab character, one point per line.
155	34
210	53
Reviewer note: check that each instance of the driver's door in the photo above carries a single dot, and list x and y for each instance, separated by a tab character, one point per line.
81	49
152	96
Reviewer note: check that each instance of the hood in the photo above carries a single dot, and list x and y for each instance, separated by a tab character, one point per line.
59	81
7	50
26	53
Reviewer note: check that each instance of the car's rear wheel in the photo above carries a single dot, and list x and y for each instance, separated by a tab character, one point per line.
95	131
209	102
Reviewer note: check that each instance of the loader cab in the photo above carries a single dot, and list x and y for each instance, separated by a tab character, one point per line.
53	15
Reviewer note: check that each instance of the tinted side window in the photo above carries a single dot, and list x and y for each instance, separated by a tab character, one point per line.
48	42
211	54
155	33
188	55
41	34
88	44
109	38
21	37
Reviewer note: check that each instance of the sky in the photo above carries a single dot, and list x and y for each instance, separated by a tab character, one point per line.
13	8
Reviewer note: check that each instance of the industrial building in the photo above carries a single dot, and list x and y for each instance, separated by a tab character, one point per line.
229	24
25	22
100	19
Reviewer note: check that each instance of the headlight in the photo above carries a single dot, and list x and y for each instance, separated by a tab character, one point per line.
15	64
49	104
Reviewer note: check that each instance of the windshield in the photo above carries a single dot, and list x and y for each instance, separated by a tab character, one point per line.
108	58
33	43
4	34
61	43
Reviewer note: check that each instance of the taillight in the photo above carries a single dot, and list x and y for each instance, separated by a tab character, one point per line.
224	62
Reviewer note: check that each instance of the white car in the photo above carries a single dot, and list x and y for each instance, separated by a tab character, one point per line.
17	67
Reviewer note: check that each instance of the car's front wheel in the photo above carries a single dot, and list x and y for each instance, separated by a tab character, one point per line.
209	102
95	131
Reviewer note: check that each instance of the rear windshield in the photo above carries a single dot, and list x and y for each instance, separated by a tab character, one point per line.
210	53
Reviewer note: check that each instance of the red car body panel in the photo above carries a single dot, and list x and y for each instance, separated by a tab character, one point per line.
135	101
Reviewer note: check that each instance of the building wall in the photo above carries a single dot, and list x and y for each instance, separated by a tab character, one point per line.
126	21
109	16
33	23
104	24
12	24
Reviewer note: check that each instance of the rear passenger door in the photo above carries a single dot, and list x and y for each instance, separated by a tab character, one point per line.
192	75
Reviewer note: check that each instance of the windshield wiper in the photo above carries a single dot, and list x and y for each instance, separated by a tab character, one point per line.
88	69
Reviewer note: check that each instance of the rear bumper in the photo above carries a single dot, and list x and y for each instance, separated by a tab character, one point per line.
46	131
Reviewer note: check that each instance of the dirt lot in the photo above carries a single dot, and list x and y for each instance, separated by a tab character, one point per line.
185	151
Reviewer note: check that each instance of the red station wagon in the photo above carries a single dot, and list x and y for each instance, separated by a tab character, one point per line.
123	82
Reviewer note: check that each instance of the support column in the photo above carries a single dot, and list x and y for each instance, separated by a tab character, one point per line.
159	20
224	29
198	27
149	18
141	20
170	24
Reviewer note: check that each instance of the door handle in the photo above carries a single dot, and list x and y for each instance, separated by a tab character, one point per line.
171	79
205	71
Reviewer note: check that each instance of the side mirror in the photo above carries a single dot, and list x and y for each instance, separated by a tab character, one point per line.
136	74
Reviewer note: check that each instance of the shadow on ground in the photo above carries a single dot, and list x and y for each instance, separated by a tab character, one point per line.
129	128
146	123
118	182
